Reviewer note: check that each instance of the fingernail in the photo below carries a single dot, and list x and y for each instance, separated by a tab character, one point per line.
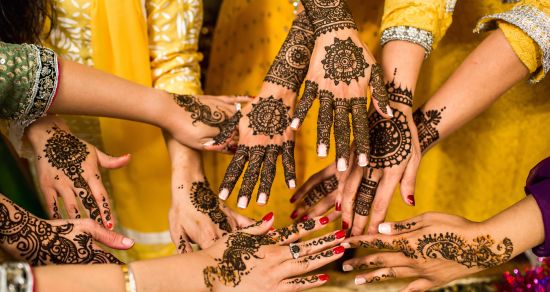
268	217
342	165
295	123
110	225
262	199
340	234
360	281
347	268
345	225
346	245
322	150
224	194
362	160
338	250
127	154
390	111
305	217
323	277
127	241
271	229
293	199
238	106
410	200
294	214
338	206
324	220
384	228
209	143
242	203
292	184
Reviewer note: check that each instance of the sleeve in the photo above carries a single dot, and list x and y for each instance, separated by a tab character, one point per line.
538	185
527	29
174	28
418	21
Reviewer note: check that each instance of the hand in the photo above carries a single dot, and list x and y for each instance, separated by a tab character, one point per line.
41	242
67	167
434	248
251	260
341	71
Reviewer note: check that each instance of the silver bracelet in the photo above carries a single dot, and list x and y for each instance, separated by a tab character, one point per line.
411	34
16	277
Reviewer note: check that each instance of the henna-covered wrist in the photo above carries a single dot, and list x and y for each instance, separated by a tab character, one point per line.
329	15
426	124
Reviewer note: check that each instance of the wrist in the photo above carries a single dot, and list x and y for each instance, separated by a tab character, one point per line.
37	133
288	96
160	109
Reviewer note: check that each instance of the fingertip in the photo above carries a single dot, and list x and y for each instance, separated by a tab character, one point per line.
127	242
295	124
242	202
224	193
292	184
262	199
384	228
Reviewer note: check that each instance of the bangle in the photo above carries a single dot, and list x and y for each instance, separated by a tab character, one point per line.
16	277
129	279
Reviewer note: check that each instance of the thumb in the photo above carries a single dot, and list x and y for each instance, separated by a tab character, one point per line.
107	237
110	162
262	226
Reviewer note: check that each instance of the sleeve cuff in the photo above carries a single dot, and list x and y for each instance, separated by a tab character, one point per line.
411	34
538	185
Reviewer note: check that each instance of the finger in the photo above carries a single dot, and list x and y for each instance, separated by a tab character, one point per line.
111	162
262	226
242	221
303	283
251	174
408	180
106	237
71	205
365	196
296	231
310	262
360	129
313	181
87	199
320	191
269	170
226	130
102	199
305	103
384	275
238	99
318	209
324	122
381	203
183	244
289	165
377	260
233	171
379	93
419	285
401	227
50	198
349	194
342	132
382	242
315	245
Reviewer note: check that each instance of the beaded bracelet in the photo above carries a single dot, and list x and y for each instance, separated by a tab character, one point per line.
16	277
129	279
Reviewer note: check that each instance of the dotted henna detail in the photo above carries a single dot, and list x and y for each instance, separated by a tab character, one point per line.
390	140
269	116
344	61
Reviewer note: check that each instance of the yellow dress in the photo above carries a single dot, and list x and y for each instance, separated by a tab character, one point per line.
476	172
152	42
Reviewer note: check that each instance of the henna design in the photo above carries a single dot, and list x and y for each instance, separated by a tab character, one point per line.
399	94
76	213
426	123
307	225
227	128
324	254
56	177
380	278
107	210
97	176
206	202
342	127
329	15
401	245
378	89
310	93
199	111
365	196
322	240
235	168
294	249
256	154
40	242
269	169
67	153
269	116
56	214
359	118
321	190
181	244
289	164
304	280
390	140
400	227
344	61
325	118
231	267
284	233
452	247
291	63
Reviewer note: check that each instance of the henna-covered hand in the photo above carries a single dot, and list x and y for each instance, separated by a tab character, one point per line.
67	168
42	242
433	248
264	131
341	72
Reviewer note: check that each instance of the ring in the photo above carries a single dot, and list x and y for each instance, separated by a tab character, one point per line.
294	250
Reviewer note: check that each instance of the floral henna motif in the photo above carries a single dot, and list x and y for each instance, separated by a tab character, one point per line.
365	196
269	116
200	112
378	89
206	202
329	15
390	140
67	153
344	61
321	190
426	123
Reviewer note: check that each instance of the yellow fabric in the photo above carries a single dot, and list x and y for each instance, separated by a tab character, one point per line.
427	15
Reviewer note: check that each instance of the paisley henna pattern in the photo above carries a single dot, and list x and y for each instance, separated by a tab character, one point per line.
206	202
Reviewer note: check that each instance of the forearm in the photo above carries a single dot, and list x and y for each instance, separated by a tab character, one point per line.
79	278
401	62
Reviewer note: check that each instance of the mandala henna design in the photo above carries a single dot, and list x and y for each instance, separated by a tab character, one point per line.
269	116
329	15
40	243
321	190
452	247
359	118
310	93
400	227
289	164
206	202
426	123
344	61
401	245
235	168
232	266
390	140
291	63
342	130
378	89
325	118
365	196
67	153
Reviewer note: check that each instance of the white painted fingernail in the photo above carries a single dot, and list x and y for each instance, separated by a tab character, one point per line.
322	150
362	160
292	184
238	106
384	228
295	123
346	245
341	165
360	281
224	194
209	143
242	203
127	241
347	268
390	111
262	199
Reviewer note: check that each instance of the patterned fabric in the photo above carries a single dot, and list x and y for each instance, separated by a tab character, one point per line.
410	34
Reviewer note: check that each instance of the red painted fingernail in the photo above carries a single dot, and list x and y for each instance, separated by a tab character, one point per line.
410	199
340	234
109	225
268	217
324	220
271	229
338	206
323	277
293	199
294	214
305	217
338	250
345	225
